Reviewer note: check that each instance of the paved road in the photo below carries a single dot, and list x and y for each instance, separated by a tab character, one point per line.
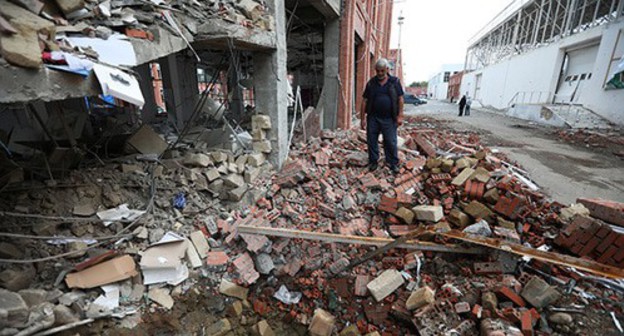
565	172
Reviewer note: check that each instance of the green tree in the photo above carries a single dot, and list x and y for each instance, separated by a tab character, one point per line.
419	84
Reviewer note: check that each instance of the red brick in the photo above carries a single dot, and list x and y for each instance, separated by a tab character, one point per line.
611	251
577	247
527	324
609	211
424	146
513	297
217	258
619	256
476	311
603	232
139	33
585	236
606	242
590	246
620	241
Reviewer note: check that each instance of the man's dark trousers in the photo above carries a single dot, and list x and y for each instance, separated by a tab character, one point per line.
388	128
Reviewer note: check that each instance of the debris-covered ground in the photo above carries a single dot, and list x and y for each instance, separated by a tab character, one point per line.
483	251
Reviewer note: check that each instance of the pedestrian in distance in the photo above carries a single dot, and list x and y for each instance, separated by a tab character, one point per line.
462	105
468	103
382	113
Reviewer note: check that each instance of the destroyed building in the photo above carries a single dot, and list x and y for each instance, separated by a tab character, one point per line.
241	202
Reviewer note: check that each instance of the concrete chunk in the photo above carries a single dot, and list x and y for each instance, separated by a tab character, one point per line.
256	159
385	284
15	307
323	323
70	6
420	297
462	177
459	218
237	194
21	49
33	297
260	121
219	157
405	214
219	328
201	245
478	210
161	296
212	174
197	160
231	289
192	255
234	181
539	293
263	146
262	328
251	174
429	213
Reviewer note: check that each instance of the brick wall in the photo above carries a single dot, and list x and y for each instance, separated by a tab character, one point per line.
371	18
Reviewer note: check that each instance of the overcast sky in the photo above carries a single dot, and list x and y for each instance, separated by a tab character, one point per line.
437	32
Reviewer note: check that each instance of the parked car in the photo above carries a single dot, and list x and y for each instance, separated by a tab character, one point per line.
412	99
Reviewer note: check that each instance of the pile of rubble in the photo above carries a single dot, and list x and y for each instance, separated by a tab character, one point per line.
610	140
71	32
470	252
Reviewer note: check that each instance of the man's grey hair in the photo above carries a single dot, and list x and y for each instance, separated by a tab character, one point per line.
382	63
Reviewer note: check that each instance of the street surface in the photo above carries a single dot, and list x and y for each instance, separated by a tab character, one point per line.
564	171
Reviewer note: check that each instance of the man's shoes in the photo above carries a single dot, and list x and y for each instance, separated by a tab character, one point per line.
395	170
372	167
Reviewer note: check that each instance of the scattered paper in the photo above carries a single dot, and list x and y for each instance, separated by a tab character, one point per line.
162	261
286	296
119	213
119	84
110	299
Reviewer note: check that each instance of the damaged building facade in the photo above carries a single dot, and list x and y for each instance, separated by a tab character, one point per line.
189	62
576	46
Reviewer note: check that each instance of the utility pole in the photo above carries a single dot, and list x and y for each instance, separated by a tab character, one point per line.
400	52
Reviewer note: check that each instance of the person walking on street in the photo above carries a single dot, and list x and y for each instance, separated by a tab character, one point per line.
468	103
382	112
462	105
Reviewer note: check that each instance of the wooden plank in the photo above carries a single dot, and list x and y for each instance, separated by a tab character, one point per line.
549	257
381	250
358	240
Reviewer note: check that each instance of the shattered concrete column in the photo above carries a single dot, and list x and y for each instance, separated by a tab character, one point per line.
150	109
331	86
270	83
172	89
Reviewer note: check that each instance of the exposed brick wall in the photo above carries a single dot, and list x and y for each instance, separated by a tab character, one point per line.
376	16
589	238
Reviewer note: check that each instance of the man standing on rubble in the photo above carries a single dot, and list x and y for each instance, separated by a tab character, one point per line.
382	112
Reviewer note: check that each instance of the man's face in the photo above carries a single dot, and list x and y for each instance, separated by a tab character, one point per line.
381	72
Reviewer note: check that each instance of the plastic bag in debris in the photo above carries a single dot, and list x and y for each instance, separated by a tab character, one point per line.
286	296
481	228
179	201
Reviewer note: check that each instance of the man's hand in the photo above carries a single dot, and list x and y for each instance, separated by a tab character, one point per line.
400	120
363	124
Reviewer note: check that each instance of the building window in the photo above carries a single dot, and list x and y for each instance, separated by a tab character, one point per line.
583	76
447	75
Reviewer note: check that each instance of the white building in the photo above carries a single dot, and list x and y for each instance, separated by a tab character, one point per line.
545	54
437	87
